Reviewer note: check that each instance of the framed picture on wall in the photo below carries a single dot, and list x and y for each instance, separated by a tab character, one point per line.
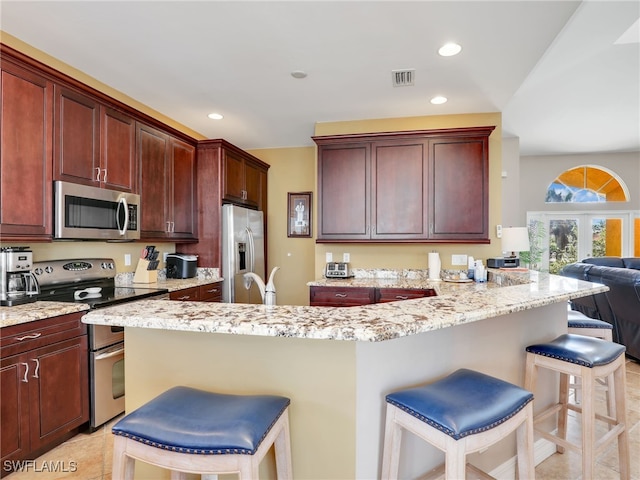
299	214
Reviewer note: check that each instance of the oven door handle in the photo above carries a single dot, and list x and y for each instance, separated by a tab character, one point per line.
115	353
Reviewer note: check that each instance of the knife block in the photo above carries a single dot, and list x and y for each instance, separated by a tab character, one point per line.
143	275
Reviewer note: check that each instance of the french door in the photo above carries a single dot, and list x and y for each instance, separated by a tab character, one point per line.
567	237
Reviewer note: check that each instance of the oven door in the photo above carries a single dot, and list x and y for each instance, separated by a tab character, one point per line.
107	384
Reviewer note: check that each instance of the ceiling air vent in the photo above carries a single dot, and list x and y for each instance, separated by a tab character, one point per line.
403	78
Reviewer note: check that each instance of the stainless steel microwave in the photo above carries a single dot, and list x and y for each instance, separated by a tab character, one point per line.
90	213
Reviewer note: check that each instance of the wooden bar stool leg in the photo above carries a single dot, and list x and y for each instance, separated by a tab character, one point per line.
524	443
282	446
563	414
456	459
621	415
123	465
588	423
391	449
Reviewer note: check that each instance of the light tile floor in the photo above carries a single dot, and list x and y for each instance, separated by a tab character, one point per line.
92	452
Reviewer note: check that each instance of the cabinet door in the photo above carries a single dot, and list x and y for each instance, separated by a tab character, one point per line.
14	408
26	138
152	152
183	192
399	178
253	195
233	179
76	138
344	190
118	157
459	189
341	296
58	389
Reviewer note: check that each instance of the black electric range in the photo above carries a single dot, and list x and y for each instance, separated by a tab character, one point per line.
90	281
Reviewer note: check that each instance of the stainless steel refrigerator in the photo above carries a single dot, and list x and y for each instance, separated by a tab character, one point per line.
242	252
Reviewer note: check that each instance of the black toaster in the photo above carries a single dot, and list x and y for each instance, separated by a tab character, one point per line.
181	265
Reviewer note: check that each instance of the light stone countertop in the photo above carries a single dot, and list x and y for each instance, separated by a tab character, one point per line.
30	312
457	304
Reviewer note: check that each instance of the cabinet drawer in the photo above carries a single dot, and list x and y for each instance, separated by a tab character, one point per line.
27	336
186	294
210	293
396	294
341	296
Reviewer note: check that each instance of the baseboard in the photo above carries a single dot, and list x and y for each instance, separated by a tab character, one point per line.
542	449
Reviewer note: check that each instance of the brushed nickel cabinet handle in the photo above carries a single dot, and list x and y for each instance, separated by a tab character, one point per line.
26	372
341	295
28	337
35	372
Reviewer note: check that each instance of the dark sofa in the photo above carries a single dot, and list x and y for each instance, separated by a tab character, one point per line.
620	306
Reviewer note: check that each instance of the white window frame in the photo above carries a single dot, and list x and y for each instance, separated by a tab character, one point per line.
585	239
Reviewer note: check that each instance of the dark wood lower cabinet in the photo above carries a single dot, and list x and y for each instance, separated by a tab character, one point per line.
355	296
211	292
44	386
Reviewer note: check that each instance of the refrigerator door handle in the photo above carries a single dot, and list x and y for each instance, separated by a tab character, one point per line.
252	251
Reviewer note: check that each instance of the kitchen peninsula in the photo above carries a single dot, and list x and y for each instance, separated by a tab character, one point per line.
337	364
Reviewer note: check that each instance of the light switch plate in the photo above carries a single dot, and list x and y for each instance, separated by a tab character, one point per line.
346	257
499	231
127	259
328	257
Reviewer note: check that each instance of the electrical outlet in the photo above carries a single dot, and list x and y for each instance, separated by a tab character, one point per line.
499	231
127	259
346	257
458	259
328	257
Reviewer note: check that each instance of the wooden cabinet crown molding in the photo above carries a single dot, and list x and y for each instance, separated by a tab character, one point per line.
405	134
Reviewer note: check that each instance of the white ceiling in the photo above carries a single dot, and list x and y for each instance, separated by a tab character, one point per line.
552	67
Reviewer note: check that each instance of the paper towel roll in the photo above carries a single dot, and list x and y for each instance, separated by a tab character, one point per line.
434	266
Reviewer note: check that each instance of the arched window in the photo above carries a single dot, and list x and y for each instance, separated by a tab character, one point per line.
587	184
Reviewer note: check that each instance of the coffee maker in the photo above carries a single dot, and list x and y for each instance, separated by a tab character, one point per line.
17	284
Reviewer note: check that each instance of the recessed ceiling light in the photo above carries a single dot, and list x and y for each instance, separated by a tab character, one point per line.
450	49
215	116
439	100
298	74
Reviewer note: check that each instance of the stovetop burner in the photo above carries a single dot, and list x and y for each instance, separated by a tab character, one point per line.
89	281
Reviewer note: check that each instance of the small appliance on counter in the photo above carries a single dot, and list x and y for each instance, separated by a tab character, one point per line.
181	265
17	284
503	262
337	270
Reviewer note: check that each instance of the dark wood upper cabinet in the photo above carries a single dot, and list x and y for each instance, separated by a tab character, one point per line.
241	179
118	150
26	138
93	144
421	186
167	186
76	137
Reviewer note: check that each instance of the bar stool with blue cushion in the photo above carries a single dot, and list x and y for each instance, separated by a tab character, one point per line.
589	359
186	430
578	323
462	413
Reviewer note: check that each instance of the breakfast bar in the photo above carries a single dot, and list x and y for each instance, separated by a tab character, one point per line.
337	363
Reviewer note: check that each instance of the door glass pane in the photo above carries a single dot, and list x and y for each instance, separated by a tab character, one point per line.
606	237
563	243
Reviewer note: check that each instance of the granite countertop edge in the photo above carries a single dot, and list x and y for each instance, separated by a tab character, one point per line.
464	303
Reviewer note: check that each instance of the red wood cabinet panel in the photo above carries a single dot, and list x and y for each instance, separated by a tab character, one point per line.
26	155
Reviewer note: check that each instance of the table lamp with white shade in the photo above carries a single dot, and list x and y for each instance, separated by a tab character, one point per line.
514	240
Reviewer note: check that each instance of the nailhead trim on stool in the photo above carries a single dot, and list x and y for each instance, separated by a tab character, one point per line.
589	359
462	413
211	429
